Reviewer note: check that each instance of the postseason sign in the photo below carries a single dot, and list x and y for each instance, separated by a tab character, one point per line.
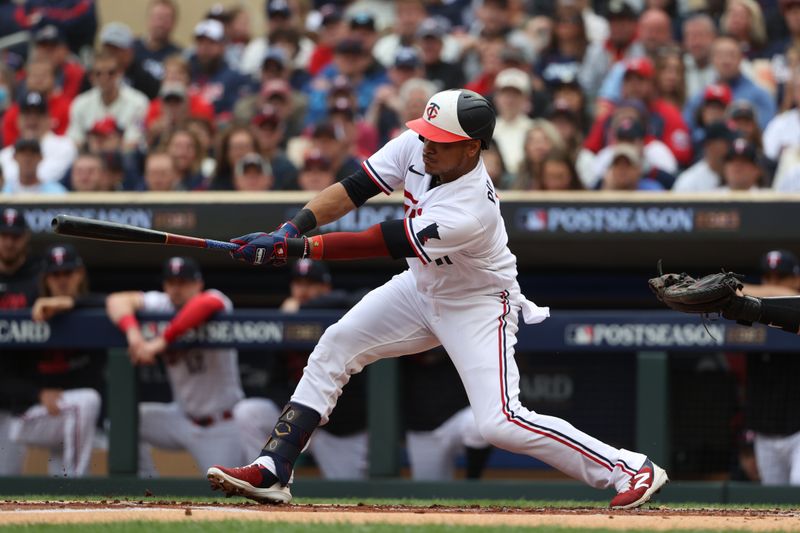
586	230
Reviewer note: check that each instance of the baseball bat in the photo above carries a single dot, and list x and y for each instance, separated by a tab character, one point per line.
89	228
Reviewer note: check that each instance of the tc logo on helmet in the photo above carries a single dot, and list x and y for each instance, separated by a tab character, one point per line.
433	111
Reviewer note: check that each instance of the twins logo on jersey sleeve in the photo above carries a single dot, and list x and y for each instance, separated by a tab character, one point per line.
430	232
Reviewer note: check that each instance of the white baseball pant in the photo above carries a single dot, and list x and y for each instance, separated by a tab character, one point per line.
479	334
338	457
69	435
778	458
432	454
12	454
166	426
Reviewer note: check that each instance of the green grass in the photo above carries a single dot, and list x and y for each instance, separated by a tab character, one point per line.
237	526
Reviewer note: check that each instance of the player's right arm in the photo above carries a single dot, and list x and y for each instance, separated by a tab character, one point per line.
197	311
382	172
767	290
121	308
333	203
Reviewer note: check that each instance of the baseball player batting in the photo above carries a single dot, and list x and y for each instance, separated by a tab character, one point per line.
460	292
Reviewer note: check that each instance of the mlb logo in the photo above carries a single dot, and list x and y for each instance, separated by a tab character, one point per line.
534	220
580	335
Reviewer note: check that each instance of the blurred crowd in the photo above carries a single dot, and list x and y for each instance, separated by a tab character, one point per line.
683	95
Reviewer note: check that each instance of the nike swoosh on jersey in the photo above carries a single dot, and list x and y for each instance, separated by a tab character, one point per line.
414	171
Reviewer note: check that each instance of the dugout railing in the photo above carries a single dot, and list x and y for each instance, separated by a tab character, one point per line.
650	334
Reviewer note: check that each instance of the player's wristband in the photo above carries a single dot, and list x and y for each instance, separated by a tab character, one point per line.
304	221
127	322
304	247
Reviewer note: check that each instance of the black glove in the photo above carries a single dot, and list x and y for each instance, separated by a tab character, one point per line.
709	294
715	293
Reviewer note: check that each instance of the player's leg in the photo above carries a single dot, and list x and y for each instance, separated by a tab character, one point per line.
255	418
218	442
340	456
793	442
432	454
430	457
71	432
387	322
476	449
161	425
468	429
479	333
81	408
774	467
12	453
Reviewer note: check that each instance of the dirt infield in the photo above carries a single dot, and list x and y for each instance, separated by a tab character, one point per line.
654	518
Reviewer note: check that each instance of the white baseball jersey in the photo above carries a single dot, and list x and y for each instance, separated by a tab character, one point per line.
204	381
455	229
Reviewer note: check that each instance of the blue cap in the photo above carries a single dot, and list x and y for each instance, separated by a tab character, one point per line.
436	27
183	268
12	221
311	270
279	8
62	258
407	57
362	19
780	262
48	34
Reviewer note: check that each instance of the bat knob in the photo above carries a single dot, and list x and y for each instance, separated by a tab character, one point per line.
56	222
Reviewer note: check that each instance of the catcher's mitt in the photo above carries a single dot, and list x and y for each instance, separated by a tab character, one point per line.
715	293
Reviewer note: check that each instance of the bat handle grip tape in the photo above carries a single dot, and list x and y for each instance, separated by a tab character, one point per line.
197	242
221	245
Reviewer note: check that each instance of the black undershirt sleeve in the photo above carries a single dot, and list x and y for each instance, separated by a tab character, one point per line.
394	234
360	187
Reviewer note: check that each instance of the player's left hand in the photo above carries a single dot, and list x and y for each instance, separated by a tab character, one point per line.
46	307
261	248
146	352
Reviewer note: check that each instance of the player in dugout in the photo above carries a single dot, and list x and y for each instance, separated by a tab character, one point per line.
772	393
460	292
53	394
19	277
205	382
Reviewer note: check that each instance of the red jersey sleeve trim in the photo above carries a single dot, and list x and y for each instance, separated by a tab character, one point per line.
196	312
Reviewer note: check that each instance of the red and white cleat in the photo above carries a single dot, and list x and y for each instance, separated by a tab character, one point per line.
252	481
643	484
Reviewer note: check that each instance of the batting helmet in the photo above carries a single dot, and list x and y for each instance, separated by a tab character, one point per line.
456	115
